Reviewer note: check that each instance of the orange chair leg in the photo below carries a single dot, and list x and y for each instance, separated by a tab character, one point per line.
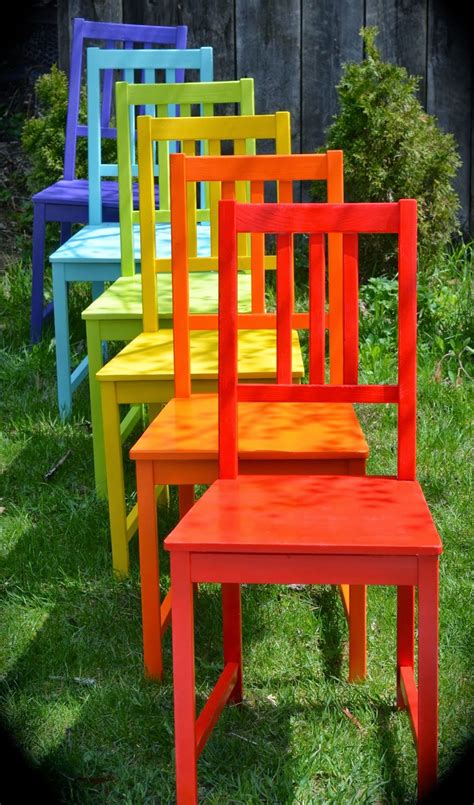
405	635
184	680
149	570
357	632
232	629
427	674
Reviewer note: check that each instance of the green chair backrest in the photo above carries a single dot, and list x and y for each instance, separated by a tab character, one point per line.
206	98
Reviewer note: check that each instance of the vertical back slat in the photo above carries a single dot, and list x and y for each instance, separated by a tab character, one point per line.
213	194
180	277
407	247
74	97
242	147
257	254
335	195
125	138
317	297
94	138
147	224
189	147
163	161
105	113
285	196
284	307
350	315
228	349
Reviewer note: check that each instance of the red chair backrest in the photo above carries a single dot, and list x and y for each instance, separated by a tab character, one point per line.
316	220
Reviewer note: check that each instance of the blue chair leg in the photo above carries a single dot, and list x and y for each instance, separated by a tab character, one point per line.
61	330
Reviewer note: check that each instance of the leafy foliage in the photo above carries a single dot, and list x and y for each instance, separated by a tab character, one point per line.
43	135
393	149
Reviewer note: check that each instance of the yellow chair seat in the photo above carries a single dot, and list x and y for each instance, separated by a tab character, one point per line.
150	357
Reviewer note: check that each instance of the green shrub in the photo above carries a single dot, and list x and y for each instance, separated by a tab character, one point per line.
393	149
43	135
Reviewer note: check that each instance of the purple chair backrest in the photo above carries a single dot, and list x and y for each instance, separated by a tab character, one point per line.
112	35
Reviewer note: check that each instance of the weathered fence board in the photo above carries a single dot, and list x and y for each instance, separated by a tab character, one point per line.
294	49
210	22
402	35
449	95
268	37
106	10
330	37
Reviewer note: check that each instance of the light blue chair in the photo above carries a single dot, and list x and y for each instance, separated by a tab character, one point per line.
93	254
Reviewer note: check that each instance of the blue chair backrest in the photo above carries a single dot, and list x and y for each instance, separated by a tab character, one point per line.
147	62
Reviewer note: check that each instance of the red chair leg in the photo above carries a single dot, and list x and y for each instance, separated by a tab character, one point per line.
357	632
405	636
149	570
183	680
427	674
232	629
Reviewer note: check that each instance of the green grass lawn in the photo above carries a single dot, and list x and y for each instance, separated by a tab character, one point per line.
72	686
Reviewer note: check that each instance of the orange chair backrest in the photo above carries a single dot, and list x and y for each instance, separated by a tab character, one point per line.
316	220
223	174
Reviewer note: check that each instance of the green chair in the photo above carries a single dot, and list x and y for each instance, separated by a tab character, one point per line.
116	315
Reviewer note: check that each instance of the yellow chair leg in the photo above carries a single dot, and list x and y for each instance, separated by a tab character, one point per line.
115	479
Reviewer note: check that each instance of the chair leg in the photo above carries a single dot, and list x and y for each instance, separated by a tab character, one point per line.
149	570
37	266
184	680
61	330
232	629
357	632
94	353
185	498
405	635
65	231
115	478
427	674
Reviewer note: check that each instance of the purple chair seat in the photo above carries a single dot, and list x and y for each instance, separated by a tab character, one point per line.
76	192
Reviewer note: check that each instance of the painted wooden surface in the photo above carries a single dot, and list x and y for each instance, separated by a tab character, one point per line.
295	51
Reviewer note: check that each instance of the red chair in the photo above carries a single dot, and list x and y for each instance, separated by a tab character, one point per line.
269	529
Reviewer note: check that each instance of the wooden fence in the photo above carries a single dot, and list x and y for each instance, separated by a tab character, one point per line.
294	49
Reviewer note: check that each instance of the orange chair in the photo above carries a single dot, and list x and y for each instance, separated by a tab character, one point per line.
275	529
180	445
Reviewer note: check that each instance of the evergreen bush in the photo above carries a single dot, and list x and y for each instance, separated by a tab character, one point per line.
393	149
44	134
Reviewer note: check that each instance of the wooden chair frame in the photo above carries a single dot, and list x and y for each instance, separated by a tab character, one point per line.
66	201
311	544
120	379
155	462
94	253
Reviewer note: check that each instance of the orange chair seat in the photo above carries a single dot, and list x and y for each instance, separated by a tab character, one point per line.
186	429
327	514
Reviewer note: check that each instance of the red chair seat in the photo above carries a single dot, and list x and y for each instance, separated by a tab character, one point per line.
327	514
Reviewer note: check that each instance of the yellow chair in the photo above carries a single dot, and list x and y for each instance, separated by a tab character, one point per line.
143	372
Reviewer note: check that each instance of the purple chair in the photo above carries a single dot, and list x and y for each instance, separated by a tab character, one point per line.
66	201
